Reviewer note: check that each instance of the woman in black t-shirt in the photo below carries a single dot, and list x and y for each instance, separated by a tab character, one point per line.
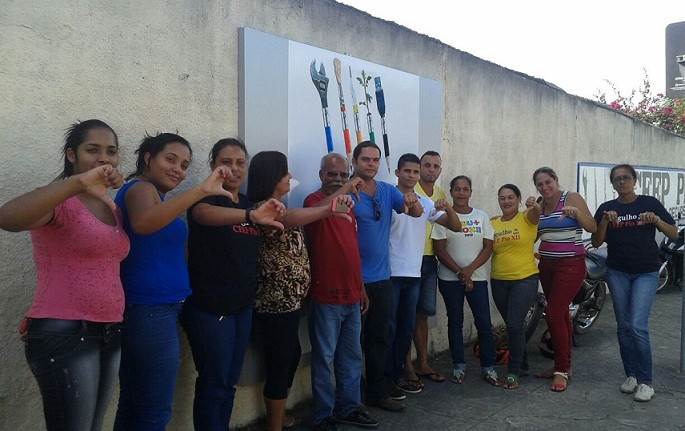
222	262
628	225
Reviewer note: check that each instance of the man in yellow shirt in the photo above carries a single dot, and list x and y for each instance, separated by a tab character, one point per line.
431	167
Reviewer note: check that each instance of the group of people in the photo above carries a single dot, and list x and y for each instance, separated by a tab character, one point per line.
112	278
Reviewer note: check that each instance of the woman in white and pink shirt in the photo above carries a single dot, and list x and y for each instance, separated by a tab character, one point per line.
71	330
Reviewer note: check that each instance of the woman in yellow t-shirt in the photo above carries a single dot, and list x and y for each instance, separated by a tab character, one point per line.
514	274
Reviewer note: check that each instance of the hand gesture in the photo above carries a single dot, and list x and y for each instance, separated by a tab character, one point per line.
214	183
441	205
96	181
410	199
531	202
569	211
354	185
340	206
610	216
267	213
649	217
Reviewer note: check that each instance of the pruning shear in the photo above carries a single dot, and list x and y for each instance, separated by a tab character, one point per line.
320	81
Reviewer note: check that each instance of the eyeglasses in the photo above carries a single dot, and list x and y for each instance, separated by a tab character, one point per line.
376	210
617	180
335	174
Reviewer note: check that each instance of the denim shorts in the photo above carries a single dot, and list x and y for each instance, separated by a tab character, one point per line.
429	286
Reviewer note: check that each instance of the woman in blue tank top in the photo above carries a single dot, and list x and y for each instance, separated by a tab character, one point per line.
155	277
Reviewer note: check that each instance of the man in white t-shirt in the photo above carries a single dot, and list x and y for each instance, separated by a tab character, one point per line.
406	247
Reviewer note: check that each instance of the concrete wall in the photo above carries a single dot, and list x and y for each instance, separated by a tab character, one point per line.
172	66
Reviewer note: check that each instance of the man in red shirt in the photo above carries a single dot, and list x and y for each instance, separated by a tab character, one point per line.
337	302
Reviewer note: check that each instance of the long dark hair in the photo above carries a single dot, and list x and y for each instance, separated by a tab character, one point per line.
75	136
267	168
152	145
223	143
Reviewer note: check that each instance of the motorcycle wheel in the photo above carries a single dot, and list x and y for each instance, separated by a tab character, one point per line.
664	275
546	346
532	319
589	312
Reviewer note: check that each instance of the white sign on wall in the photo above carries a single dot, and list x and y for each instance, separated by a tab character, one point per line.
665	184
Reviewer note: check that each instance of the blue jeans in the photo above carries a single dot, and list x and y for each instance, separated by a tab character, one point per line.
429	286
75	363
453	293
405	294
375	339
632	296
334	332
150	355
218	344
513	299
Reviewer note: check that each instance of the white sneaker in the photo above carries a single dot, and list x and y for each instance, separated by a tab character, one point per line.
629	386
644	393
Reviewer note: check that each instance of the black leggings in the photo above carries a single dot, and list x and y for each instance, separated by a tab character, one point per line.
282	350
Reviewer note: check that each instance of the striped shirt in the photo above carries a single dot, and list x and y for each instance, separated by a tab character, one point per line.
560	237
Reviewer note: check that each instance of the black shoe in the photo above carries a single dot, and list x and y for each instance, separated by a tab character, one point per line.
408	386
390	405
359	419
395	392
328	424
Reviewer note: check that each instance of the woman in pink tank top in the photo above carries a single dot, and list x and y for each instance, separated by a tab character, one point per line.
71	330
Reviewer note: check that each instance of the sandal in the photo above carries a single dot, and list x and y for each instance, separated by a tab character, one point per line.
512	381
491	377
559	382
458	376
290	422
549	373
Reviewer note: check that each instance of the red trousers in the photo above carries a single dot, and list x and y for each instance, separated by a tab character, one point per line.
561	280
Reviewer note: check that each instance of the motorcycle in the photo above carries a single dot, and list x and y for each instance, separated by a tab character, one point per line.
585	307
671	258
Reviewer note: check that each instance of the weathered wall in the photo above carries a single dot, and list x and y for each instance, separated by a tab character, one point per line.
172	66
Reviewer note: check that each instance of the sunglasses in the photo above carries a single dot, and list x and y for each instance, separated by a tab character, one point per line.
617	180
335	174
376	210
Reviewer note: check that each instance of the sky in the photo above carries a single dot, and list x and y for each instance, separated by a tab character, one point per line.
576	45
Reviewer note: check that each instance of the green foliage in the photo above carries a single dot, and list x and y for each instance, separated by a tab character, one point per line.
657	110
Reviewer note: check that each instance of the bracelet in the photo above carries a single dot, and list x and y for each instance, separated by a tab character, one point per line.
247	216
658	219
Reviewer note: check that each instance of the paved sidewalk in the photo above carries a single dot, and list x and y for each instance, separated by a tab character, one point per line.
591	402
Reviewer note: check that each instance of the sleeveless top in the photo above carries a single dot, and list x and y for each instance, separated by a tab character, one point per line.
560	238
155	271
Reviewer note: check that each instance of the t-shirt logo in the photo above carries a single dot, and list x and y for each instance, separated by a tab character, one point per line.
470	227
507	235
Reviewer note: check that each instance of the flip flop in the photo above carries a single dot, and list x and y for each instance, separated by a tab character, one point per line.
291	422
433	377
